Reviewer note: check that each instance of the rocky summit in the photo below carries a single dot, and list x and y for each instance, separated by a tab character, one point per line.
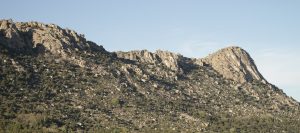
233	63
54	80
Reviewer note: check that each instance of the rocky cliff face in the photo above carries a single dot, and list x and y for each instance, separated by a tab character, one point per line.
54	80
49	37
169	59
233	63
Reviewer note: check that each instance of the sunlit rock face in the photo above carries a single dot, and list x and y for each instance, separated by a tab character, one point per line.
169	59
49	37
233	63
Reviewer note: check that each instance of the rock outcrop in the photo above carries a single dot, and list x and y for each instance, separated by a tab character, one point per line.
169	59
233	63
49	37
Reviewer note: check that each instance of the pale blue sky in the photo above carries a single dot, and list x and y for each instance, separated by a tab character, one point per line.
268	29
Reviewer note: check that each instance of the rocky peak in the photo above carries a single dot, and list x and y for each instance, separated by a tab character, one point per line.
169	59
9	34
47	37
233	63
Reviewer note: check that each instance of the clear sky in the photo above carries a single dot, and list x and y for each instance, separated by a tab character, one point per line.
268	29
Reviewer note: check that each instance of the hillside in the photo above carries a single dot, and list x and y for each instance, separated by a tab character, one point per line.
54	80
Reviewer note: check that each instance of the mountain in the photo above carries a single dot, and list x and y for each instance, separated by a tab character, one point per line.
54	80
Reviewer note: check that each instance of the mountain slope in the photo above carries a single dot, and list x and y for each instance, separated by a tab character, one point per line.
53	80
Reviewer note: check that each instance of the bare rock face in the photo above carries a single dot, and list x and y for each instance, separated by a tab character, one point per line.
142	56
170	59
49	37
233	63
10	33
166	58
